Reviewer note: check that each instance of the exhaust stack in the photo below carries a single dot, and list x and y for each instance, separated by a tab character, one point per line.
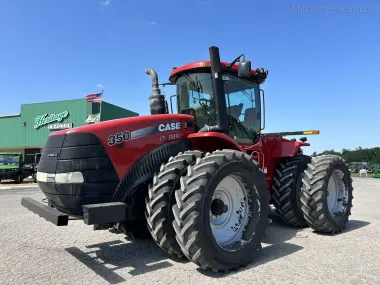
157	101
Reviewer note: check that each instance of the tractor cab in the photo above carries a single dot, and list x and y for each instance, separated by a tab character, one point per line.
227	101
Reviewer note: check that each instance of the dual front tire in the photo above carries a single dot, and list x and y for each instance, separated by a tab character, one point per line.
209	208
160	200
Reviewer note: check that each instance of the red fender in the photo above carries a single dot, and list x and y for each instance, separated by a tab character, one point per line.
210	141
285	148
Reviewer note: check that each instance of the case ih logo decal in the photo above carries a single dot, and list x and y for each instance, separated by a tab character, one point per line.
169	127
46	119
119	138
116	139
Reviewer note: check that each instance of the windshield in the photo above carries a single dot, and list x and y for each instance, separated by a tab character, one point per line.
195	94
243	107
9	159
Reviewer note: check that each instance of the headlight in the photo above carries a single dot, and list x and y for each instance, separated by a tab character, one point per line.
67	177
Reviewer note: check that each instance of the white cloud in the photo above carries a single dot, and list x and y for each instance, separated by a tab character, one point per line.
100	86
105	3
153	23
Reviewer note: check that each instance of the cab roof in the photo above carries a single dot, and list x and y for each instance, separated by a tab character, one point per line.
205	66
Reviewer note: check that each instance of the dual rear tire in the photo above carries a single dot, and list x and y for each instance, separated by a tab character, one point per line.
315	192
326	194
286	189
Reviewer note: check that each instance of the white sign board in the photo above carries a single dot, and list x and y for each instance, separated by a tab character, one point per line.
60	126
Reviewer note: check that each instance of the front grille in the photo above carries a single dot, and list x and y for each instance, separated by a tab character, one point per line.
77	152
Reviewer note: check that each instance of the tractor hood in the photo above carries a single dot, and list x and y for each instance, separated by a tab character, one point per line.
84	165
126	123
124	140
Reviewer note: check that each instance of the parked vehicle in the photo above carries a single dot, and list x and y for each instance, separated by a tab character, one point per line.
30	169
11	166
198	181
376	171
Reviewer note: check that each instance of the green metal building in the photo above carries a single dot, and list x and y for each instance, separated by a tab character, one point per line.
27	132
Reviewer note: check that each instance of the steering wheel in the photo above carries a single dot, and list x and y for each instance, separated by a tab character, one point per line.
204	102
233	119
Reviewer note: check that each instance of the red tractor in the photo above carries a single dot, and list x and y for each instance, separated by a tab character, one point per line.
199	181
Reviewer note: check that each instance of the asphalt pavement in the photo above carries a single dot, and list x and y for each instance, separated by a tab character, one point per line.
33	251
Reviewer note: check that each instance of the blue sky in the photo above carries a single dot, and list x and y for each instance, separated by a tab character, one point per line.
324	66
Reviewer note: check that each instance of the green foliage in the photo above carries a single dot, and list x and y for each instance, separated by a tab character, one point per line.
370	155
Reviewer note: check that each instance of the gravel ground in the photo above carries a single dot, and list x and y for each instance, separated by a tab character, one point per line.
34	251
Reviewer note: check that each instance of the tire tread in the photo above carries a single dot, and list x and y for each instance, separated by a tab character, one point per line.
283	185
313	194
157	202
188	205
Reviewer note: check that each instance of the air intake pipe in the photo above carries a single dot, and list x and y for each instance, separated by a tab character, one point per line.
157	101
217	83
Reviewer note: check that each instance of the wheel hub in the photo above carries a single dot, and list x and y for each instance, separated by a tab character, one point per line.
218	207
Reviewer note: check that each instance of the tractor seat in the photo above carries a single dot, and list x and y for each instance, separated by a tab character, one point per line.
235	110
249	118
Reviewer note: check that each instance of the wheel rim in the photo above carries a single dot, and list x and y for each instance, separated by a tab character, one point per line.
337	194
229	213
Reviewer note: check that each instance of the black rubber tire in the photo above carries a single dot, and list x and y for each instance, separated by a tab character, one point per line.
159	202
287	189
136	228
18	179
133	229
314	194
191	212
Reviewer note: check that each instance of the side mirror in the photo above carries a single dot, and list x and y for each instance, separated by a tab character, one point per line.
244	69
263	109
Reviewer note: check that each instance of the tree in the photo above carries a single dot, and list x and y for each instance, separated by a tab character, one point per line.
370	155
